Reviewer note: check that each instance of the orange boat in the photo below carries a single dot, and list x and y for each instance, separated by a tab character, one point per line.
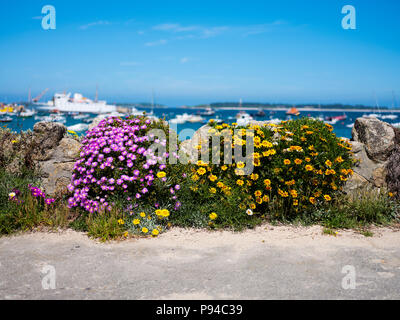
293	111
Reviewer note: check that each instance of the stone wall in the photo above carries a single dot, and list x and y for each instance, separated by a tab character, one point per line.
56	156
48	149
374	143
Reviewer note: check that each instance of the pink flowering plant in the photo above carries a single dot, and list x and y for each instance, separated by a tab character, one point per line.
124	164
40	195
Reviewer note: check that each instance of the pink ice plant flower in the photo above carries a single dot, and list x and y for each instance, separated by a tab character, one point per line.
115	158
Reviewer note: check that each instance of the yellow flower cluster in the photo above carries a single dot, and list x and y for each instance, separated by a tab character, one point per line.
148	224
162	213
296	163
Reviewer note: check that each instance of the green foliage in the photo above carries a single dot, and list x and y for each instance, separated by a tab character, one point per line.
27	212
105	225
329	232
367	233
359	209
198	203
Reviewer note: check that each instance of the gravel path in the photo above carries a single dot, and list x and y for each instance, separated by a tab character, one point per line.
265	263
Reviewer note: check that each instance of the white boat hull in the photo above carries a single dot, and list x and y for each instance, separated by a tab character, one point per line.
63	103
79	127
79	107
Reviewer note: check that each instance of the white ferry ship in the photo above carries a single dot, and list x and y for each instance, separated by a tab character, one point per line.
64	103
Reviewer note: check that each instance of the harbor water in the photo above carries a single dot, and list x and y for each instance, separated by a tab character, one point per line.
342	128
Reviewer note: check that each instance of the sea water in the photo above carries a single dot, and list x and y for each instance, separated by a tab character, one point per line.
340	128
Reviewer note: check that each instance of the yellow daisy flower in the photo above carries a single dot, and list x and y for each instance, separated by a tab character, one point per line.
213	216
161	174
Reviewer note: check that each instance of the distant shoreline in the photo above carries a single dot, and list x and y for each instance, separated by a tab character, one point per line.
304	109
273	108
282	108
313	109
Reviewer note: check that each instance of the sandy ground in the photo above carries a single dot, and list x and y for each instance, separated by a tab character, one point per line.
265	263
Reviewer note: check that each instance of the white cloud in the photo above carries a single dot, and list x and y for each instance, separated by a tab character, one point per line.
129	64
93	24
156	43
196	31
212	32
261	28
128	22
166	27
184	59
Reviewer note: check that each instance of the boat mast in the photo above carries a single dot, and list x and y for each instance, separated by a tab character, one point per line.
96	99
376	103
152	100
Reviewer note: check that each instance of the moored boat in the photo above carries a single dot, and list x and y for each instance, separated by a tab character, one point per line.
195	118
5	119
6	109
389	117
260	113
243	118
207	112
373	115
293	111
78	103
27	113
79	127
52	118
182	118
80	116
336	118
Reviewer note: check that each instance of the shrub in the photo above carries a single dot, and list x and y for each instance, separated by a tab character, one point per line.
361	208
25	207
121	167
299	165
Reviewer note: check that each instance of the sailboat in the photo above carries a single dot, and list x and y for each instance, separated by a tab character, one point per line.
375	115
391	116
320	117
148	114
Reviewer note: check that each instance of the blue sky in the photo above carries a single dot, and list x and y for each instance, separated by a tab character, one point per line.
194	51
